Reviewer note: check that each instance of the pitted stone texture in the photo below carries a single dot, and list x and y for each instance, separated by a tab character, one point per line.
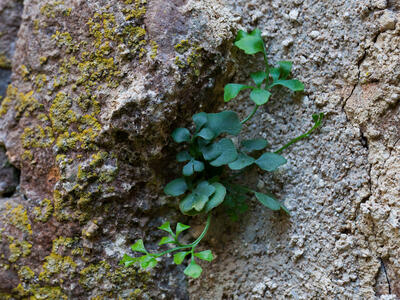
331	246
97	88
374	107
102	189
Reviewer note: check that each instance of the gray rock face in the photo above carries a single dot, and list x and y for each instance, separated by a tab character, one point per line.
9	177
97	88
10	16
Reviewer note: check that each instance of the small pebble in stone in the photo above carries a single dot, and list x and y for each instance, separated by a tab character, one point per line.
387	21
287	42
293	15
314	34
381	4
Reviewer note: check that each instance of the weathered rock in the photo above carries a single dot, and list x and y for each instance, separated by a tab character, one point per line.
341	185
97	88
9	177
10	16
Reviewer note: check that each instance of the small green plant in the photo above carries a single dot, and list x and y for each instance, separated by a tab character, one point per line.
213	161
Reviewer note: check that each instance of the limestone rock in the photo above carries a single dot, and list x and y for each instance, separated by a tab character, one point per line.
97	88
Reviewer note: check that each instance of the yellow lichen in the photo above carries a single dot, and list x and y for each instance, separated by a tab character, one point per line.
43	60
50	9
67	141
136	11
61	243
18	248
24	71
43	212
5	105
65	39
27	155
25	104
182	47
57	264
37	137
18	217
61	114
5	63
40	81
154	49
98	158
26	274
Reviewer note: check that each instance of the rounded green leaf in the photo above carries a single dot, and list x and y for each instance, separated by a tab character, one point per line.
180	256
139	246
205	255
275	73
195	202
250	44
217	198
188	169
204	188
293	84
199	120
231	90
253	145
176	187
258	77
285	67
268	201
198	166
181	135
206	134
220	153
260	96
270	161
193	270
200	202
181	227
242	161
183	156
224	122
186	205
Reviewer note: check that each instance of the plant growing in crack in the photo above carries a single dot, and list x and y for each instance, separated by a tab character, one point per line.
213	161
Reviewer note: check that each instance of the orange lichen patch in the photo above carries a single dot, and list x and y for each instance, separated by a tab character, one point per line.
53	176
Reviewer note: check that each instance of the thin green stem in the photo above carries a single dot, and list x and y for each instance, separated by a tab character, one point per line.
196	242
266	66
250	115
192	245
300	137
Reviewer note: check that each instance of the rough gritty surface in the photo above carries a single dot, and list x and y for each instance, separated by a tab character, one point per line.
98	86
341	185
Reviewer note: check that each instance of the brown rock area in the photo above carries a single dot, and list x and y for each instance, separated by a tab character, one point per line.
98	86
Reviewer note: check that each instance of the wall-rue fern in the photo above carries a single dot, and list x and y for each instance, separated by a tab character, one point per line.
212	161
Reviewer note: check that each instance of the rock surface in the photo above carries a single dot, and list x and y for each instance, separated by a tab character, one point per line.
98	87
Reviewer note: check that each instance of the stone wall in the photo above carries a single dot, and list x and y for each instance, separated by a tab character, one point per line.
98	86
